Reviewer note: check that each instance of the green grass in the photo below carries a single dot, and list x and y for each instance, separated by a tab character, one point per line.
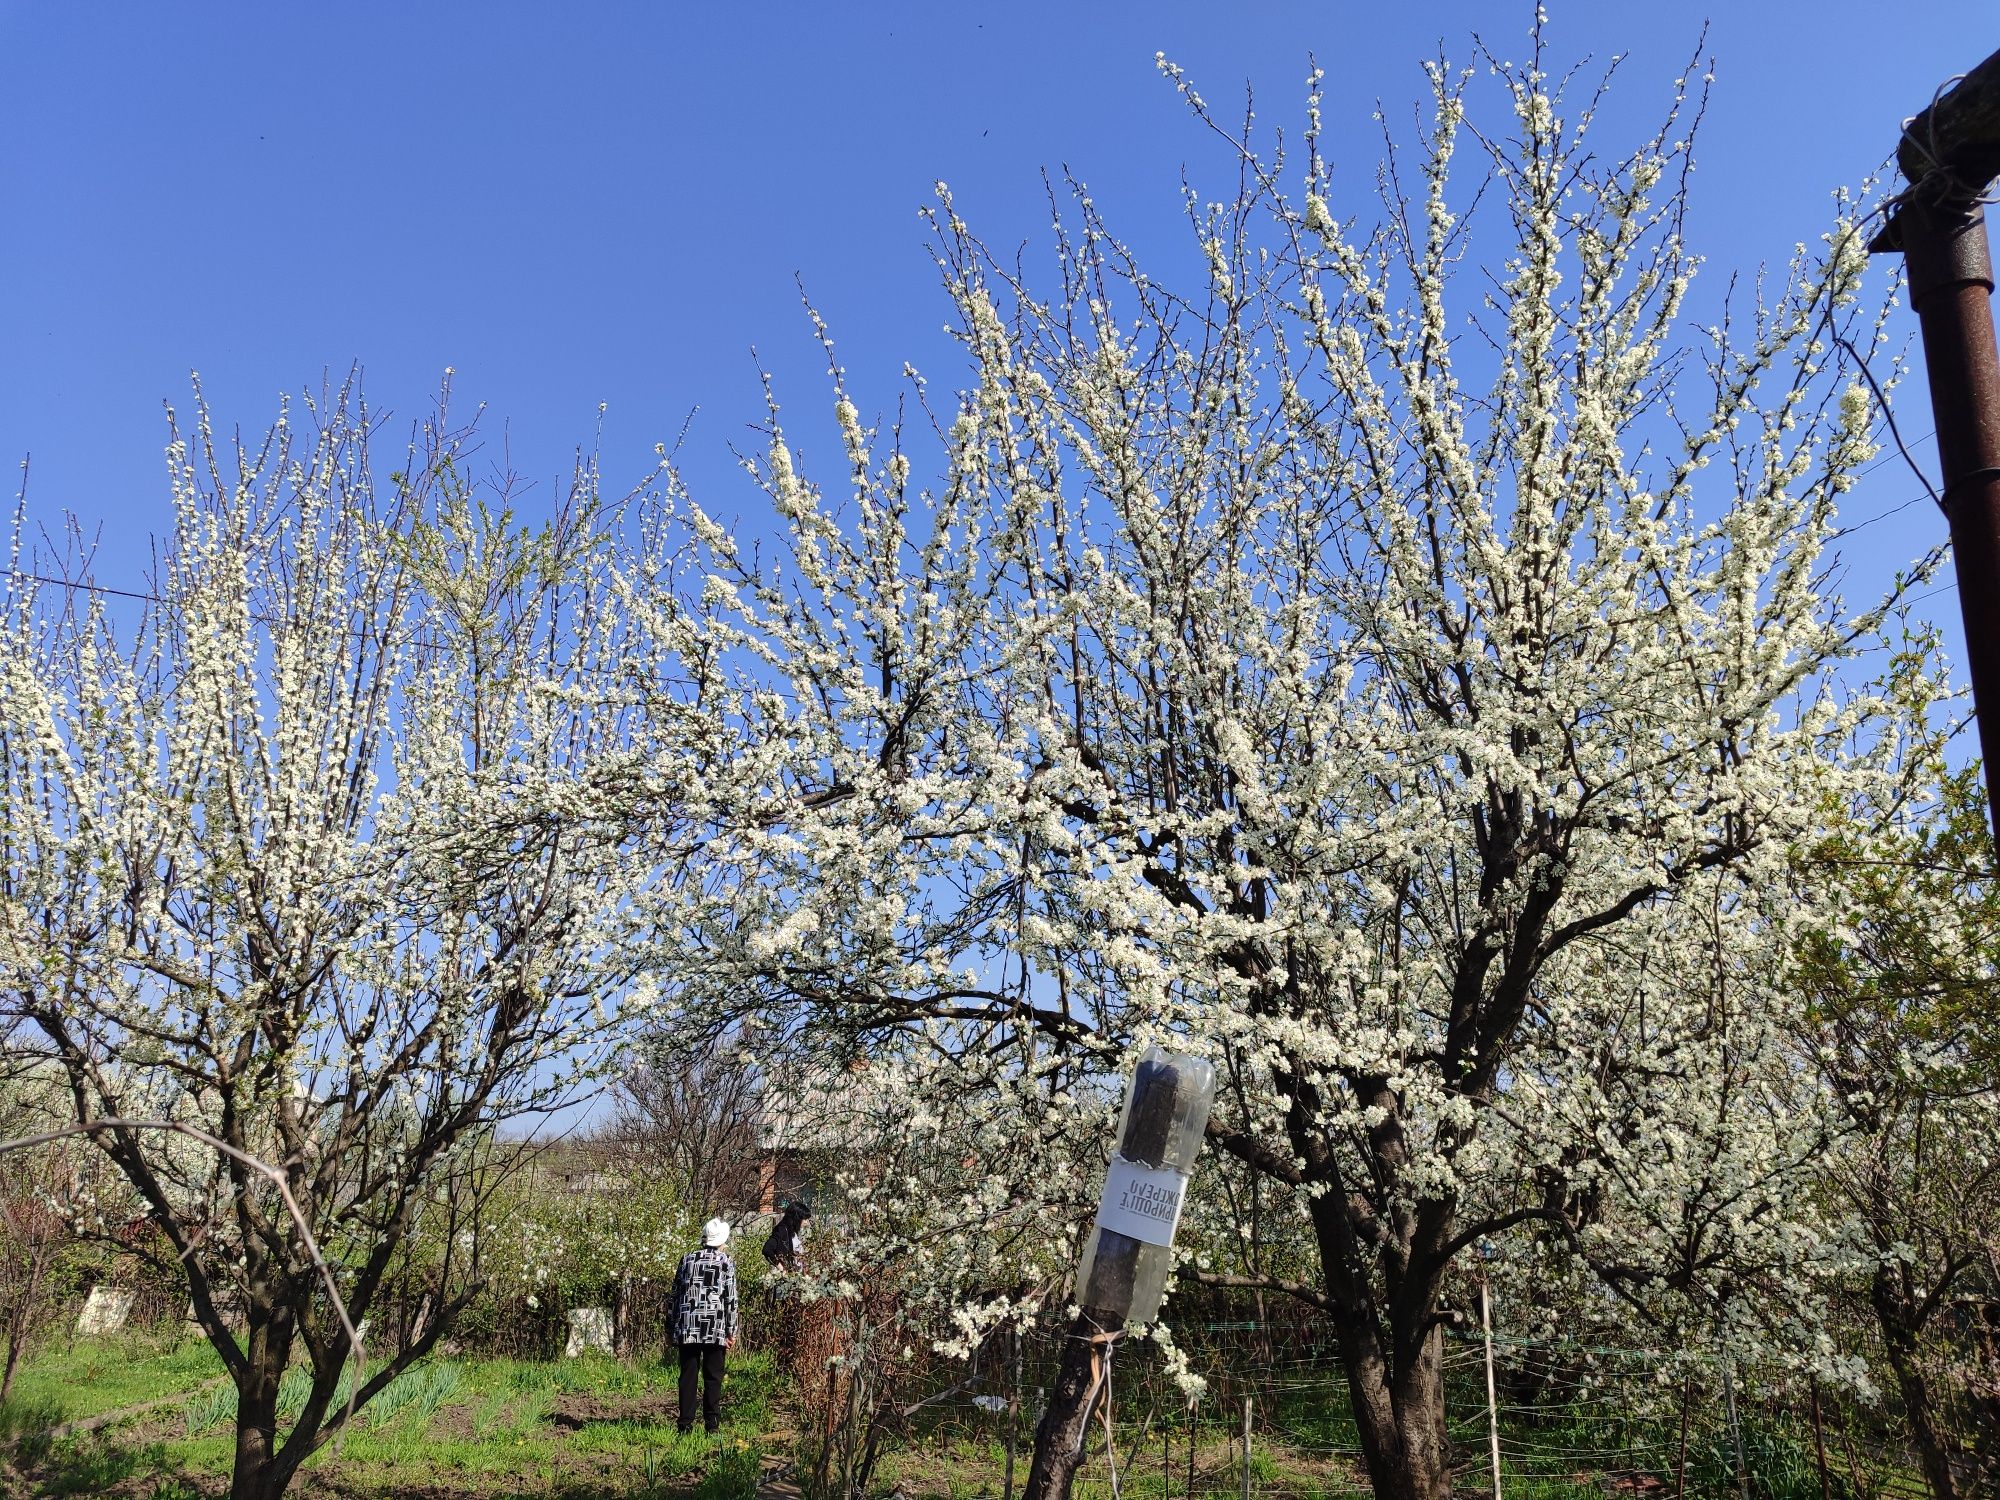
89	1376
601	1429
80	1466
591	1427
1307	1448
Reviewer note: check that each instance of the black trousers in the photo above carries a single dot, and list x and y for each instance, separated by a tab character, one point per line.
705	1361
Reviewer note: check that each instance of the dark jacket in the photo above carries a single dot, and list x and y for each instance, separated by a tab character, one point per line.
705	1298
785	1243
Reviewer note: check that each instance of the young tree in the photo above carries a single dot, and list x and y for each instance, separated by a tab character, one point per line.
1346	665
929	1236
690	1107
297	854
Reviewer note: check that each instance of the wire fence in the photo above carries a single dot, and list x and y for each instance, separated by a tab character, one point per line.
1274	1419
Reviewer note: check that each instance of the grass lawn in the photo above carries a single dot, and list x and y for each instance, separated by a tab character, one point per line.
453	1427
600	1429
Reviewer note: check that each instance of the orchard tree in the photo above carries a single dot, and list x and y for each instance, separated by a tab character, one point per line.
299	854
1899	968
1667	1155
1350	663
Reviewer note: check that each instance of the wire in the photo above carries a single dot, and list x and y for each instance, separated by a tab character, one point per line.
1954	187
92	588
1893	510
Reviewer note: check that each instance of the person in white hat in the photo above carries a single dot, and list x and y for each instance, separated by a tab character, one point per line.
704	1323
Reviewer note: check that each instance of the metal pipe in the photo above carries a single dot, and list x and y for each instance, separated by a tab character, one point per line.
1948	155
1951	288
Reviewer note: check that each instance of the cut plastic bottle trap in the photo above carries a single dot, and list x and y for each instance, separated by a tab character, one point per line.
1123	1274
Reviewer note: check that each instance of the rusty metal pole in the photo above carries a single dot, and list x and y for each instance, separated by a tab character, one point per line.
1948	155
1951	288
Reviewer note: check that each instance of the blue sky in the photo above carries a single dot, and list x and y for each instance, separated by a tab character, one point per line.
609	203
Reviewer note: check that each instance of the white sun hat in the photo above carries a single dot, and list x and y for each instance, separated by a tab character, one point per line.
715	1233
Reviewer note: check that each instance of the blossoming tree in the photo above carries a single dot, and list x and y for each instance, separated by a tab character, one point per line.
1387	664
1898	962
297	854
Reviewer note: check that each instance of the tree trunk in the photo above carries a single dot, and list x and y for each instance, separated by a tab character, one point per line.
1400	1415
21	1318
14	1342
259	1472
1932	1442
256	1474
1392	1352
1061	1434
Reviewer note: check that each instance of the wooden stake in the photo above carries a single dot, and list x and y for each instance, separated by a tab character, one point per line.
1492	1400
1013	1415
1819	1446
1246	1448
1735	1428
1681	1461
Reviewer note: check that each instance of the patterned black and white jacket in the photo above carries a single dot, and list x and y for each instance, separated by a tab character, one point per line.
705	1298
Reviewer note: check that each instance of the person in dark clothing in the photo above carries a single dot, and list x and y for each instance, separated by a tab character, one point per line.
786	1242
704	1323
783	1248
